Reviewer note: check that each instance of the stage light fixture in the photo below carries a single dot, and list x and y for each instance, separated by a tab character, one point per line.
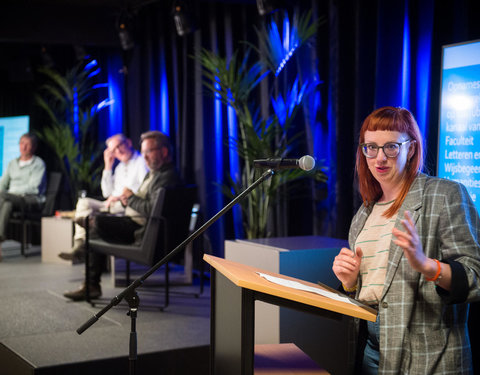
126	39
124	31
80	53
183	18
47	59
267	6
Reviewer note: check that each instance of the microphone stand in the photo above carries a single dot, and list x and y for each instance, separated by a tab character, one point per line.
130	293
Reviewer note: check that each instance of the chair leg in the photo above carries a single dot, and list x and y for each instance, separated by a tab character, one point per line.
24	239
202	280
87	276
167	284
87	263
127	272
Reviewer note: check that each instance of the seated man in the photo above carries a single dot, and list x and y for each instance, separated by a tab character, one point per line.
129	173
127	229
23	183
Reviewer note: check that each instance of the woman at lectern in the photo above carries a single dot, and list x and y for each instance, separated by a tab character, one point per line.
414	255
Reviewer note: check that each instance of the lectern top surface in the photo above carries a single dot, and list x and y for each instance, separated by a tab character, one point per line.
247	277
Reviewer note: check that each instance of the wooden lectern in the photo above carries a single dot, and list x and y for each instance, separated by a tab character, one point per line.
235	288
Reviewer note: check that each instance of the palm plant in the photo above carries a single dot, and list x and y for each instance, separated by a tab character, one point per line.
274	49
232	81
71	110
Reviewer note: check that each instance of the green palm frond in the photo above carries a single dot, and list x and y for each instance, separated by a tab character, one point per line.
59	86
276	46
58	97
223	78
232	81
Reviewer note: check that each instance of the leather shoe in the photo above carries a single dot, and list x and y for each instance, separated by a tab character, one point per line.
80	294
77	255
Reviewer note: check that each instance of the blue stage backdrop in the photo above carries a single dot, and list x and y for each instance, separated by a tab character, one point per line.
459	130
11	129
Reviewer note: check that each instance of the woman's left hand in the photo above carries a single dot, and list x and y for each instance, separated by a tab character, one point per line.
410	243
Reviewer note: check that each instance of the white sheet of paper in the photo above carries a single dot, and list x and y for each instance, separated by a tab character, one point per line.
300	286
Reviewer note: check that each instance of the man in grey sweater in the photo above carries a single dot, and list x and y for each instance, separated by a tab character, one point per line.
23	183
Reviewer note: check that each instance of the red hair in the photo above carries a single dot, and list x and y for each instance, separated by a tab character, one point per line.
389	119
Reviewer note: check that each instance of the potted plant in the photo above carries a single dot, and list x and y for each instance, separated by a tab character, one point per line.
71	110
233	80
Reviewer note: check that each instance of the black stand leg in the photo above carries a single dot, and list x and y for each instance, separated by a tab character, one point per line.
87	260
133	303
130	290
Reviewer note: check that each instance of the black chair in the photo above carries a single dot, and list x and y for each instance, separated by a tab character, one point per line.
167	226
21	222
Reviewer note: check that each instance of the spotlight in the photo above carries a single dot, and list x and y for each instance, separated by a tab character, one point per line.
267	6
183	18
124	32
46	58
80	53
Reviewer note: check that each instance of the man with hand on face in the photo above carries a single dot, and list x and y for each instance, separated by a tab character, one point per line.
23	183
129	173
127	229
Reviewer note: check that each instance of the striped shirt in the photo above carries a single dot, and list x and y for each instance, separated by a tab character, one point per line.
374	240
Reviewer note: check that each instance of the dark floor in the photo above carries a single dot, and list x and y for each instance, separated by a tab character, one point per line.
38	325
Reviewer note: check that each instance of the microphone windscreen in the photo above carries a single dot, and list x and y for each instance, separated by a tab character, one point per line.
306	163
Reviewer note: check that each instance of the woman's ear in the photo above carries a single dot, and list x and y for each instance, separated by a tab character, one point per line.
411	150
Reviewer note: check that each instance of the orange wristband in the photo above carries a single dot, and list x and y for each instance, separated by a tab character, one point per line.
350	290
437	274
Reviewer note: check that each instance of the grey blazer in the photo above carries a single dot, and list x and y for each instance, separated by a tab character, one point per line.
423	328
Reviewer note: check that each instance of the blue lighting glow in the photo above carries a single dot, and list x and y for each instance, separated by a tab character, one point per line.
282	47
100	85
423	65
218	138
285	60
102	104
114	119
75	113
159	98
165	115
94	73
406	60
284	108
92	64
234	167
154	107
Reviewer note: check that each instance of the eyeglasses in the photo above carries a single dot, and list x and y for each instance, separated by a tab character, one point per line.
390	149
150	150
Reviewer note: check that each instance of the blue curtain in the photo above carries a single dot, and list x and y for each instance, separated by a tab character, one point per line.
365	55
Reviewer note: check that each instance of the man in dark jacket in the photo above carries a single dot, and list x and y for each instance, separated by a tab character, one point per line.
127	229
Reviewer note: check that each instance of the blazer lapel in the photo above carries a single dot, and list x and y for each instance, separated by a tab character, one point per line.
412	203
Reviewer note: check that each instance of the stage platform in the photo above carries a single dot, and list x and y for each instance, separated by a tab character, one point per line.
38	325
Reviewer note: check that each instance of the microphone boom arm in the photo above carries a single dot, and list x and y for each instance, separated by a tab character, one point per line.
138	282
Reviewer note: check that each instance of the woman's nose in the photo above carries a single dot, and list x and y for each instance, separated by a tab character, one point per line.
381	155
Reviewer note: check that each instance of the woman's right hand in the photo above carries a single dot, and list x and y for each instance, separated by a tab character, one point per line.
346	266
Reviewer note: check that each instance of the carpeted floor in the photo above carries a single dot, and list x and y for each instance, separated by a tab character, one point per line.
38	325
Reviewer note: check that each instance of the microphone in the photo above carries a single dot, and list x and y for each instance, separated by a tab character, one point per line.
305	162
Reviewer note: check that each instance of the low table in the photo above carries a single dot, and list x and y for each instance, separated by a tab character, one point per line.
57	237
